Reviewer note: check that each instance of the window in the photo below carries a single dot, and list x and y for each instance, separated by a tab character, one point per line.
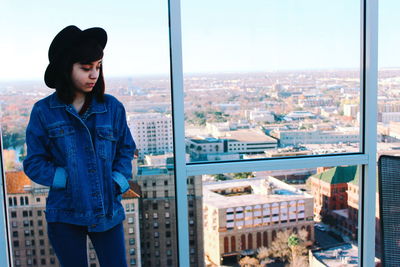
302	102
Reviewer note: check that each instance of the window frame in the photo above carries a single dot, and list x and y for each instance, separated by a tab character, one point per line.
368	129
366	158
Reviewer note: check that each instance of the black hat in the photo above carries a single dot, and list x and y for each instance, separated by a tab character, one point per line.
62	44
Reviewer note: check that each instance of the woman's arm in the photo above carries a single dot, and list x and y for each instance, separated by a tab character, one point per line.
122	164
38	165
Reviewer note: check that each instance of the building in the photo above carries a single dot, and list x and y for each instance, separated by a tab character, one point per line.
258	115
301	137
28	227
152	133
245	214
388	117
350	110
299	115
337	256
158	213
329	188
336	200
229	145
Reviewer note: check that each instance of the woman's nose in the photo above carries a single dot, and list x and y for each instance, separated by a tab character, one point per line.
94	74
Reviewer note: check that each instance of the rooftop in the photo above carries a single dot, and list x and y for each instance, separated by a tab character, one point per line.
248	135
339	175
250	191
15	181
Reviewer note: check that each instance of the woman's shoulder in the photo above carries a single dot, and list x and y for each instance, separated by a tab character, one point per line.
47	102
111	100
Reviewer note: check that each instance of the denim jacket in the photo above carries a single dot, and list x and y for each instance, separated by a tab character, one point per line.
86	168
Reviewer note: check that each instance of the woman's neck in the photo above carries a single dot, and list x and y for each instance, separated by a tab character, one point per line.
78	101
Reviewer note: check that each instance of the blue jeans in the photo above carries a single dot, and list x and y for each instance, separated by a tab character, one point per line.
69	243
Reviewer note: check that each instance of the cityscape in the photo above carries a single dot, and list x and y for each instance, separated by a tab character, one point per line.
271	218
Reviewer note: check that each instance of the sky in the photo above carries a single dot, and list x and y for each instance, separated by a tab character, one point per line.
217	35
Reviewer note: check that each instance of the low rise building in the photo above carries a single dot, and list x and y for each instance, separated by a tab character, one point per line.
245	214
301	137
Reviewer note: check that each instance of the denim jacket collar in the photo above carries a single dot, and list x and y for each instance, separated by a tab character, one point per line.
96	107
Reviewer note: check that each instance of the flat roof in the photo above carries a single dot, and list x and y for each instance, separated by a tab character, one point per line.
248	135
259	193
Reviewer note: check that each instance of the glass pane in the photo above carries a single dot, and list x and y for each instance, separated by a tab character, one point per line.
388	95
271	78
255	216
136	69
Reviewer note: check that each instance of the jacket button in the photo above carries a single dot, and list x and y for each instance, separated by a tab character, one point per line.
93	225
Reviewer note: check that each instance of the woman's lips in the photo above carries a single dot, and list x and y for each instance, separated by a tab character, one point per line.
91	84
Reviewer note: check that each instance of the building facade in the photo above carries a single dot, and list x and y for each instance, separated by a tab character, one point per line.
158	213
152	133
28	226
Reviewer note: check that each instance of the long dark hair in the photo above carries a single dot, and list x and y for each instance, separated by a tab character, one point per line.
84	52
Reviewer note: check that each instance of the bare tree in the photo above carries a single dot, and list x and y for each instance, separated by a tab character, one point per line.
291	247
249	262
263	256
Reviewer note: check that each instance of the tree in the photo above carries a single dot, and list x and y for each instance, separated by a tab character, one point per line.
220	177
242	175
249	262
291	247
262	256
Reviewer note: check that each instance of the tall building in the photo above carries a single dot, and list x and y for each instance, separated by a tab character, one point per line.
152	133
243	215
28	227
157	217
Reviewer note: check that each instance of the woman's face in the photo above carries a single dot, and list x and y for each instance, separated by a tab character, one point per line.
84	76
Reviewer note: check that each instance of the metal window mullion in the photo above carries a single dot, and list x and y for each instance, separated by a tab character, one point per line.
277	164
367	207
5	243
175	40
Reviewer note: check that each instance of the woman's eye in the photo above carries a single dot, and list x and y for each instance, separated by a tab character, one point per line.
86	69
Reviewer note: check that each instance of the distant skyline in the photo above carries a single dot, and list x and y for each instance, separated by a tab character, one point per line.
217	36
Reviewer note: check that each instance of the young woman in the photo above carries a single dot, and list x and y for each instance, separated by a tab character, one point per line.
80	146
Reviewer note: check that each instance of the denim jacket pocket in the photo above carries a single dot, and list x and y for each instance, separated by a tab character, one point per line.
106	141
62	139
